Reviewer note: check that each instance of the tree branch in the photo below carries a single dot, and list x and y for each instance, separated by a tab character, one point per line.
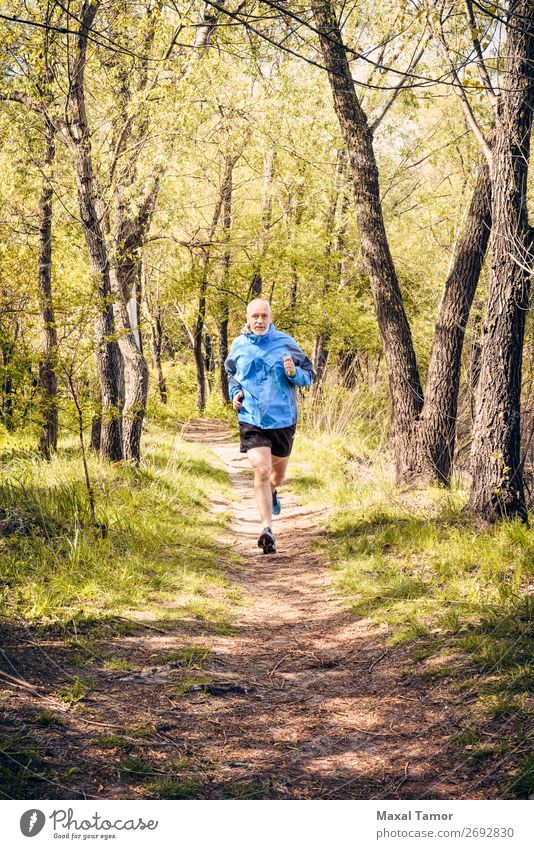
484	74
376	123
469	114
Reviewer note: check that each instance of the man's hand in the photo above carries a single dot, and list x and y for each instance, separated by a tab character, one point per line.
237	402
289	366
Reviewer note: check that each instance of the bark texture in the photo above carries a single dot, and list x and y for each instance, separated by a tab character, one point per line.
130	234
498	487
404	384
423	433
437	424
108	354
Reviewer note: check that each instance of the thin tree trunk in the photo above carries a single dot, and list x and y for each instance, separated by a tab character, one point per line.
135	369
48	364
8	347
130	233
197	340
295	220
404	384
498	486
226	263
108	354
155	320
223	348
348	366
224	193
322	340
437	426
157	336
269	161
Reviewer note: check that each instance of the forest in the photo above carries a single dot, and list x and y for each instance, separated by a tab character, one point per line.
364	168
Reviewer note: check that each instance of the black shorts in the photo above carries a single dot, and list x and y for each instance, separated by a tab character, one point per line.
278	439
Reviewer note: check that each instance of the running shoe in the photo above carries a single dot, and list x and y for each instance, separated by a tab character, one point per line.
276	504
266	541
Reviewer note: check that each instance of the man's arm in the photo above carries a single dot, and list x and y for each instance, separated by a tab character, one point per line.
304	373
230	368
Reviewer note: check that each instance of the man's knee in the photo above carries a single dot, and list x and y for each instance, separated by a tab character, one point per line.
262	472
278	477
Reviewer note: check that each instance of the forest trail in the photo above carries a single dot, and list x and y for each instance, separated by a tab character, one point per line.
313	703
300	700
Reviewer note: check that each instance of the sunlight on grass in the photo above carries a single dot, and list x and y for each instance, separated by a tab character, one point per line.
452	592
160	545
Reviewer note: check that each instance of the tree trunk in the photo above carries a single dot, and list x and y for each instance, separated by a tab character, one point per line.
135	369
208	353
130	232
319	358
48	364
223	349
7	383
197	342
348	367
156	335
294	221
437	425
96	430
226	263
498	486
322	340
269	160
223	202
404	384
107	353
475	351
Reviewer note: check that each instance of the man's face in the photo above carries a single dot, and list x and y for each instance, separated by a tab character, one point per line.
259	318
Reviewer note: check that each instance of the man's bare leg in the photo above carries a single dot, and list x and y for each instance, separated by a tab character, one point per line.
278	471
260	460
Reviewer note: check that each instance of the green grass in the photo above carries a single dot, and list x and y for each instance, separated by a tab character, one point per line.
73	693
190	657
245	790
167	788
118	663
110	741
22	768
159	555
182	405
48	719
136	766
189	683
451	591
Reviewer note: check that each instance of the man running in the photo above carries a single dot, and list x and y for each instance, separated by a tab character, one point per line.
264	367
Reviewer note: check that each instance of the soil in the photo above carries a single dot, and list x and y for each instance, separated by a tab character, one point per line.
300	701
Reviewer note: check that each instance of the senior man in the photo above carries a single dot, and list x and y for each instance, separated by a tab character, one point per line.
264	367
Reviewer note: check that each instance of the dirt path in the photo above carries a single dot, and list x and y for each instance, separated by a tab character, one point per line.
301	701
321	707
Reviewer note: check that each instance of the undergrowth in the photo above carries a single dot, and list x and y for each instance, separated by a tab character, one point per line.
454	593
158	554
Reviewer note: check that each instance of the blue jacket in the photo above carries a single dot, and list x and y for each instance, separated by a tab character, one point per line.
255	366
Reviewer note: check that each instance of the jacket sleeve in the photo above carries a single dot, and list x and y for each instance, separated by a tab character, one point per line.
230	368
304	375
